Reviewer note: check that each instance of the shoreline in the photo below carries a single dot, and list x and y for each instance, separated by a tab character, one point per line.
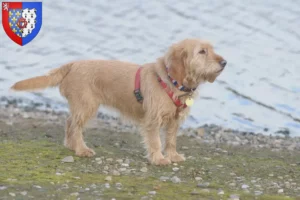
206	134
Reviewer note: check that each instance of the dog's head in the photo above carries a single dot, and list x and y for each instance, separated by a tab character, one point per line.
193	61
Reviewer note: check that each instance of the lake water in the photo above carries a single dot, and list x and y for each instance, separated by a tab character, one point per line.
259	89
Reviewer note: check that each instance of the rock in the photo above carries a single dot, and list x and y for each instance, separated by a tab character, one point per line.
220	192
244	186
203	185
234	197
99	162
122	169
144	169
198	178
258	193
3	187
98	159
271	175
175	179
24	193
116	173
106	185
287	184
127	161
75	194
175	169
68	159
93	186
164	178
81	191
205	191
200	132
106	168
220	166
109	159
37	186
125	165
76	177
58	174
232	184
184	148
145	198
152	192
194	192
119	161
118	185
108	178
12	194
280	191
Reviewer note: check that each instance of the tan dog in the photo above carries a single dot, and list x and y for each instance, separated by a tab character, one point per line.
89	84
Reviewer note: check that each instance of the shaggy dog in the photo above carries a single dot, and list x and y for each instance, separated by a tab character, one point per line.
88	84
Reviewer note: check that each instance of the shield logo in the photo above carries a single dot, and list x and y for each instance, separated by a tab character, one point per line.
22	21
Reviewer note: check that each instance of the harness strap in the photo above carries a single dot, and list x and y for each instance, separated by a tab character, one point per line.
137	86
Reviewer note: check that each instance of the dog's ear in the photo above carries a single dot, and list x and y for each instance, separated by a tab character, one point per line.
175	55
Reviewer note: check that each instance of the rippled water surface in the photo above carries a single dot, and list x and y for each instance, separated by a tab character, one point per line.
259	89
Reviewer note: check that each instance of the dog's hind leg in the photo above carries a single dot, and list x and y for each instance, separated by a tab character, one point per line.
81	112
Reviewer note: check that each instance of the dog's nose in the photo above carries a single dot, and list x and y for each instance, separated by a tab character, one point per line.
223	63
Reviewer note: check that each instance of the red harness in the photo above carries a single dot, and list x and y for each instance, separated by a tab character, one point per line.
138	94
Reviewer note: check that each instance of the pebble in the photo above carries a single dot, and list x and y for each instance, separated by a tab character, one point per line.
12	194
122	169
194	192
198	178
287	184
68	159
107	185
3	187
116	173
58	174
119	161
118	185
108	178
244	186
93	186
205	191
144	169
125	165
271	175
220	166
220	192
175	169
127	161
234	197
152	192
24	193
37	186
75	194
98	159
105	168
203	185
258	193
175	179
109	159
184	148
280	191
164	178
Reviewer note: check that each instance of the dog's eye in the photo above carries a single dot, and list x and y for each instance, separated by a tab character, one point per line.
202	51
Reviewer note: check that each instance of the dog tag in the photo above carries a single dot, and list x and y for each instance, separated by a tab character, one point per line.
189	102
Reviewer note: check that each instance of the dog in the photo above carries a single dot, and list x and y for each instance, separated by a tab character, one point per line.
155	95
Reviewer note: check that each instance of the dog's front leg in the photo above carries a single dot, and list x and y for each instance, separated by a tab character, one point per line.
170	147
151	133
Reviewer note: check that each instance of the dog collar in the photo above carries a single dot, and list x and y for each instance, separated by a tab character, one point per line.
170	93
180	87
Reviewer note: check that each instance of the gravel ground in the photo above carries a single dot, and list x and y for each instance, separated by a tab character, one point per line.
221	164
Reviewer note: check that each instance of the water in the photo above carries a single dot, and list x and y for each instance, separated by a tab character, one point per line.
259	89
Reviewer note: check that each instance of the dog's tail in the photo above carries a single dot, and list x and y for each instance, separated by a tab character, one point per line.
52	79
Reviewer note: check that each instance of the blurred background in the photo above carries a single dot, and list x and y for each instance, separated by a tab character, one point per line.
259	90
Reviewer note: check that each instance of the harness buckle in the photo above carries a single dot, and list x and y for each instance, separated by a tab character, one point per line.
138	95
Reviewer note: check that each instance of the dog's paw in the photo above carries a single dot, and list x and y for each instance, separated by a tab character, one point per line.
159	159
176	157
87	152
